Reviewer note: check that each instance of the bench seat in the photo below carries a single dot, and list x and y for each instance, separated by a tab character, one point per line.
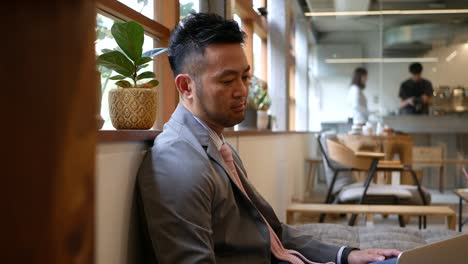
370	210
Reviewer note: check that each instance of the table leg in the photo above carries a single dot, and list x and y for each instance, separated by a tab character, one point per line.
289	217
460	214
310	179
451	222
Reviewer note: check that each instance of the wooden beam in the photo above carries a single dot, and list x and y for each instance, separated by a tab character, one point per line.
261	26
167	12
245	11
247	27
49	104
118	10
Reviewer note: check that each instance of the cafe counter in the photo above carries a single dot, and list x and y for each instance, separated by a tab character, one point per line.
453	123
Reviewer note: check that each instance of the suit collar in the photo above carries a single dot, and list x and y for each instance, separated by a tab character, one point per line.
184	120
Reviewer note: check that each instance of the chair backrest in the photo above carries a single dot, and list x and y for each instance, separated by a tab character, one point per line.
324	152
343	178
346	157
428	156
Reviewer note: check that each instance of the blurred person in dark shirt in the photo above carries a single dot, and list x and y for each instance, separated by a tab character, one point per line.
416	92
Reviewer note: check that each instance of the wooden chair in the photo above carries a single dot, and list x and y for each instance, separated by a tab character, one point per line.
371	162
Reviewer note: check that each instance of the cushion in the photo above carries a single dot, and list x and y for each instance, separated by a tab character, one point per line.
383	194
354	192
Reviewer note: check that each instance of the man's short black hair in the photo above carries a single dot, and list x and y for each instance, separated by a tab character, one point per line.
194	33
416	68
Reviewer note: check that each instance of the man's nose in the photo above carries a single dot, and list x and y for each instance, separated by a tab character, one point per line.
241	89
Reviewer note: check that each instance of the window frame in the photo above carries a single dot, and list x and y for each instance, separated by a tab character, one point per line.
252	22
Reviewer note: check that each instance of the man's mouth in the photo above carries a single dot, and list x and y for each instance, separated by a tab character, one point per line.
238	107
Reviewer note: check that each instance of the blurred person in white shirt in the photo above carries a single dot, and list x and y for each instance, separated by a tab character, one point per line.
356	97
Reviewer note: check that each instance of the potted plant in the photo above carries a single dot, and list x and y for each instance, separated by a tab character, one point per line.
260	100
133	103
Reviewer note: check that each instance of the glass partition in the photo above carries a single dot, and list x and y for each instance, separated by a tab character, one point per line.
385	37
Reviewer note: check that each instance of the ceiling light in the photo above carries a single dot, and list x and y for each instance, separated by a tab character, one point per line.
379	60
388	12
451	56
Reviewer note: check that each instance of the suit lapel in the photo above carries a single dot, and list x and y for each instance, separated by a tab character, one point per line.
184	122
214	154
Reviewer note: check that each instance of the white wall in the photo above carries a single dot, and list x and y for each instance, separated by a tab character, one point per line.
116	169
275	165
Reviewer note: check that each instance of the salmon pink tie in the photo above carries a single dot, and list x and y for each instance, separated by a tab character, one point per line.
277	248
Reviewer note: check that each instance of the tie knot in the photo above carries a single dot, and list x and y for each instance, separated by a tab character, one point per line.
226	153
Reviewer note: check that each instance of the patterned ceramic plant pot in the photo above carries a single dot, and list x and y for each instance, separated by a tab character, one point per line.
132	108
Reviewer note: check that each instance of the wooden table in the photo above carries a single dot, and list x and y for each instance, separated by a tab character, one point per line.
463	194
401	144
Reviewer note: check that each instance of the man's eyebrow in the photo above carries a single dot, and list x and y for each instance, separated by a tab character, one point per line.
227	72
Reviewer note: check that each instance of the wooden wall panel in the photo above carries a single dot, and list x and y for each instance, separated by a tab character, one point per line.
48	131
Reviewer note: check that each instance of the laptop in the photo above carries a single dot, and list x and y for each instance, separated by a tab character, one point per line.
453	250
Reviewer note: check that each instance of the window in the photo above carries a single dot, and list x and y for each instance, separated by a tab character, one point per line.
144	7
237	18
255	27
156	23
256	4
104	40
188	6
258	57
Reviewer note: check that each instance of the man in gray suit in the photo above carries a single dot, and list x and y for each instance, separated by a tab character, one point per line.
198	204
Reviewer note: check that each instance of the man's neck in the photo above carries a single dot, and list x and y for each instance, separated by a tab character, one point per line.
218	130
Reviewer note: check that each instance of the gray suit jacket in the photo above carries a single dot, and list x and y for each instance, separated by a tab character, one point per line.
196	214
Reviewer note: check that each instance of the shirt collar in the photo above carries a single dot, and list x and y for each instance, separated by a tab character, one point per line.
217	140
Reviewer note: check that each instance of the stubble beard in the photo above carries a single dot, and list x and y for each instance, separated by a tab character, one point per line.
220	119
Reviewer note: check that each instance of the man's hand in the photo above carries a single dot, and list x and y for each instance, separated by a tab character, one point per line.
409	101
371	255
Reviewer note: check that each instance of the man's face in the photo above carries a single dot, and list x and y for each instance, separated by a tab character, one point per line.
221	89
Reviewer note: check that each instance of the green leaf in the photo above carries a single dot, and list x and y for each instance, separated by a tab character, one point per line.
145	75
155	52
106	50
117	77
143	60
116	61
129	36
124	84
141	67
149	84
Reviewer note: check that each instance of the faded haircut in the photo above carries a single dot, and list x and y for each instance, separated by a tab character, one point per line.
194	34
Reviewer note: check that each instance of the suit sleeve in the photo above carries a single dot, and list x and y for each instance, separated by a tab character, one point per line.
311	248
177	196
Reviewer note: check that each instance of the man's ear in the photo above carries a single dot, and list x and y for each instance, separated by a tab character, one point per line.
185	85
